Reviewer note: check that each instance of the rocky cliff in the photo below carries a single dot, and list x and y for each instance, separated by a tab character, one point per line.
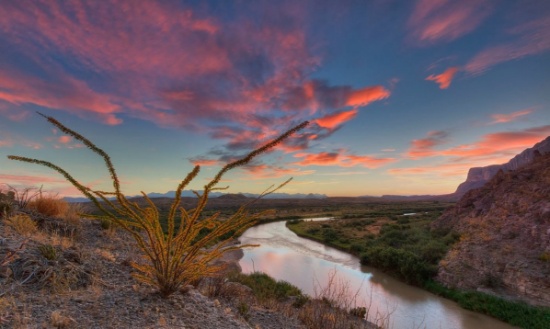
505	235
477	177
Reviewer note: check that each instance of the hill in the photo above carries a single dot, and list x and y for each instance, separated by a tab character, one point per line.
505	235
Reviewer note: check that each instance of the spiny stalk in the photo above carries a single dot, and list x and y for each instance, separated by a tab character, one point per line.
176	257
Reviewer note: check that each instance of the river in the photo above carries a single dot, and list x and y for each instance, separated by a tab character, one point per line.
308	265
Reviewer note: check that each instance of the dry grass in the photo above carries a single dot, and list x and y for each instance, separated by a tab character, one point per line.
59	321
49	206
22	224
336	306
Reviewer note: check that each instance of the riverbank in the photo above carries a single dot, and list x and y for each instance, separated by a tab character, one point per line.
388	244
77	274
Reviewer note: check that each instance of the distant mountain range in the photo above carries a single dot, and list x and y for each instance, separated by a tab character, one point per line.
477	177
190	194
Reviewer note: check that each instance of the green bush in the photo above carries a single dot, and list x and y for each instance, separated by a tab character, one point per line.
265	287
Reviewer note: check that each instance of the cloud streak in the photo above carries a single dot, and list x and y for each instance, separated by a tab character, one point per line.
445	20
531	38
341	158
425	147
504	118
444	79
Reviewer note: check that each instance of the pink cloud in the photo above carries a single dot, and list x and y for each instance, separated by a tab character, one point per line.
332	121
29	179
341	158
444	79
261	171
446	20
503	118
531	38
443	170
64	139
367	95
501	143
424	147
68	94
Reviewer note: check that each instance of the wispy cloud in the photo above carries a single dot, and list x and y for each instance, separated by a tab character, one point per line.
444	79
233	79
500	144
503	118
445	20
531	38
425	147
334	120
341	158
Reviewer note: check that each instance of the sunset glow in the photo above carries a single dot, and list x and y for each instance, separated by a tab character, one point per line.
403	98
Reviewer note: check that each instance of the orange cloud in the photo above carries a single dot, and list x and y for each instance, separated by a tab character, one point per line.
262	171
64	139
29	180
443	170
424	147
367	95
443	20
203	162
502	143
332	121
342	159
444	79
503	118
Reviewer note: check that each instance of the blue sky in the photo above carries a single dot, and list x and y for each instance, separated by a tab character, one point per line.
403	96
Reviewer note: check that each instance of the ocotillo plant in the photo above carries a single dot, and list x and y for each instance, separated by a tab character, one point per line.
175	257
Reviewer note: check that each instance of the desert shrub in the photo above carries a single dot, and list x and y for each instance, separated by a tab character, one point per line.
48	251
356	248
7	201
359	312
174	257
515	313
265	287
402	263
329	235
244	309
49	206
22	224
544	256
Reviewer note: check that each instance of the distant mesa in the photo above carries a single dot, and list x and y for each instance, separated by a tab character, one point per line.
221	196
478	176
231	196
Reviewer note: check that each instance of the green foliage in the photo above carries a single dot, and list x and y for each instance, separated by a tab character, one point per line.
517	314
7	201
176	254
545	256
48	251
243	310
265	287
405	248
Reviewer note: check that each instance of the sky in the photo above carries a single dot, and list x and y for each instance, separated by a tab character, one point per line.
403	97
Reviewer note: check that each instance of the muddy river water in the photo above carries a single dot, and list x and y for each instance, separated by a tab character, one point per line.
308	265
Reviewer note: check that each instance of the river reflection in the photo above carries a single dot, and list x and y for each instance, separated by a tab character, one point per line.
308	264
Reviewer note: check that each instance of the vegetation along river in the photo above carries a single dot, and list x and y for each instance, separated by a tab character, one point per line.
308	264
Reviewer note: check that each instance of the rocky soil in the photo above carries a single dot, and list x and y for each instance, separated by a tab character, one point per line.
78	275
505	236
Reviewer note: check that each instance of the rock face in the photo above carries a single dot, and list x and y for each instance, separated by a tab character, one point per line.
477	177
505	235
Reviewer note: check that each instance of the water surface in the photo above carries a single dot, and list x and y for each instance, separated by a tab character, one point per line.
308	264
